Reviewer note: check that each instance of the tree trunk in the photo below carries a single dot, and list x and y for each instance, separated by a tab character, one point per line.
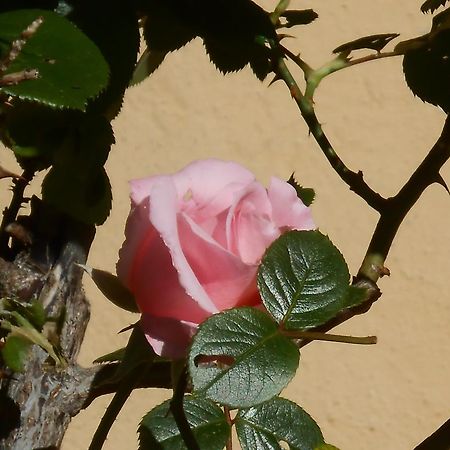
36	406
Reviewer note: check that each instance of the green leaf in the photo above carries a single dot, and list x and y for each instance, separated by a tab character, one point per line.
169	26
278	420
19	326
234	35
239	358
426	63
77	184
112	288
232	32
70	66
113	26
373	42
138	353
306	195
158	429
84	195
432	5
15	352
298	17
35	131
35	313
303	280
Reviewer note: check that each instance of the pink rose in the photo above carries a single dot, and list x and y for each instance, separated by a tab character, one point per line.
193	244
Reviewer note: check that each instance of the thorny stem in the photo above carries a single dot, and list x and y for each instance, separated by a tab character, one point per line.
279	9
396	208
392	210
124	389
10	213
372	57
176	407
306	68
354	180
314	77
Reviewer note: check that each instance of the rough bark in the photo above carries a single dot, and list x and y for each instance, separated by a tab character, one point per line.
36	406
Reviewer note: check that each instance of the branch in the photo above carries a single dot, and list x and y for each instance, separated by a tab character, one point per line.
439	440
176	407
354	180
396	208
392	215
124	389
43	394
10	213
156	375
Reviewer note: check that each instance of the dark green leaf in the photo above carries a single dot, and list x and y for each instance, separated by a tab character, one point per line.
303	280
83	195
298	17
35	131
239	358
426	63
278	420
71	68
306	195
15	352
169	25
355	296
113	289
432	5
373	42
138	353
158	429
77	184
113	26
233	33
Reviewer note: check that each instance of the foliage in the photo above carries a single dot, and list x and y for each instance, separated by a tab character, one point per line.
64	68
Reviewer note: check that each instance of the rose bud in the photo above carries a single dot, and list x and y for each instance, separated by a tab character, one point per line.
193	244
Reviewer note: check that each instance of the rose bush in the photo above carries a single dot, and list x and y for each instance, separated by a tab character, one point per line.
193	243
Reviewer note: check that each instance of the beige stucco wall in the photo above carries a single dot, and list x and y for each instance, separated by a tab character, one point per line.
389	396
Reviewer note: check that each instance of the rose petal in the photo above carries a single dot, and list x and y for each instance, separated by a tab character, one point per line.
141	187
169	338
202	186
249	226
136	228
163	216
155	283
228	281
208	179
287	209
